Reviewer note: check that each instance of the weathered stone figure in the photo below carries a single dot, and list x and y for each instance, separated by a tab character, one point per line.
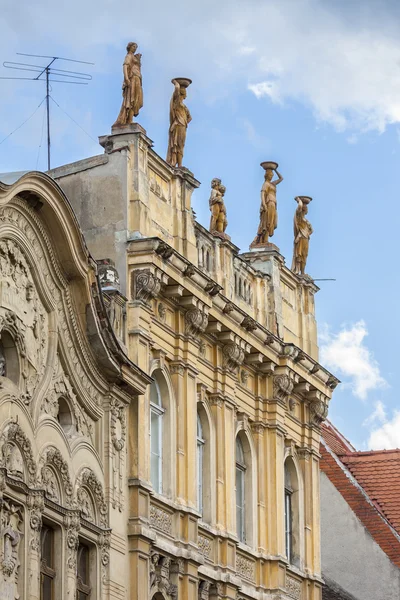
268	209
132	91
179	117
218	221
302	233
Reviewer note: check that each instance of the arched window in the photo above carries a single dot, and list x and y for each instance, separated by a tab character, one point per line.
64	416
292	513
200	461
156	437
240	286
208	260
240	491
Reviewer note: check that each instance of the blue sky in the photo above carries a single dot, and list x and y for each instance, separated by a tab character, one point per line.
314	85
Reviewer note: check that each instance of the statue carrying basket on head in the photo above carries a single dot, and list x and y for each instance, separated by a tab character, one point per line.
302	234
132	91
179	118
268	208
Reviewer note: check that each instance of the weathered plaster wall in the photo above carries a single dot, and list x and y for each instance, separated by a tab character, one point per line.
350	557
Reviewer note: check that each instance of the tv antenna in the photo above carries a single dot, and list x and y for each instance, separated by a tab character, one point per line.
48	73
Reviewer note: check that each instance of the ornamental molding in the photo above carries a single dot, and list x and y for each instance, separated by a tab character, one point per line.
245	567
16	453
117	424
161	519
145	285
88	482
318	411
196	320
53	467
205	545
293	587
164	250
11	532
233	356
249	324
72	523
78	352
204	590
213	288
163	573
283	387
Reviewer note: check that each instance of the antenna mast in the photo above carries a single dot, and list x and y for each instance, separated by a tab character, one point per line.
45	73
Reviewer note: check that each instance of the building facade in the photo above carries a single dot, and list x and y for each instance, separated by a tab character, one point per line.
222	459
360	520
65	388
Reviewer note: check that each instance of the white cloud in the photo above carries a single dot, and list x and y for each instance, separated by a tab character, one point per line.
346	354
378	415
387	435
340	59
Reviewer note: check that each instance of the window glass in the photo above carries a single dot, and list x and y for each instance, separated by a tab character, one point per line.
240	491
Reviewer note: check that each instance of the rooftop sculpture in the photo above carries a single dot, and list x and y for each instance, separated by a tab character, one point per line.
268	208
302	234
132	91
179	118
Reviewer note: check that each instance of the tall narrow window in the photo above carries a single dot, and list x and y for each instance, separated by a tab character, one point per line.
288	515
240	491
156	436
200	457
83	587
47	570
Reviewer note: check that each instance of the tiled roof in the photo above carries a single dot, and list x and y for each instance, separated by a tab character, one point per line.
335	440
378	472
370	484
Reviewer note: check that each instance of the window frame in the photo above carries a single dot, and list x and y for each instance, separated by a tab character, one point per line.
158	411
82	587
47	571
240	472
200	444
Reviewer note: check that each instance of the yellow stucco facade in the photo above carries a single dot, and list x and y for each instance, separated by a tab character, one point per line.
222	456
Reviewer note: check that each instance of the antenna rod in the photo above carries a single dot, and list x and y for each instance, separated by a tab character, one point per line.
48	118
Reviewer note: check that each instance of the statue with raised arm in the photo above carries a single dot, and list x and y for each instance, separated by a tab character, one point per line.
268	208
132	91
179	118
302	234
218	220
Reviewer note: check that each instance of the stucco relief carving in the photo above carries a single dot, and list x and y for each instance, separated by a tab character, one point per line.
161	569
244	567
10	538
90	489
22	315
51	463
161	519
205	546
293	587
283	387
61	388
318	411
35	232
204	590
35	504
16	453
118	424
145	285
196	321
72	524
233	356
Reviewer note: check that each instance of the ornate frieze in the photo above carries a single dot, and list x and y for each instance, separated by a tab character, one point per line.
161	519
205	546
244	567
293	587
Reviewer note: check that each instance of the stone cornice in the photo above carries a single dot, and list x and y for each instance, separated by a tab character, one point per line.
186	281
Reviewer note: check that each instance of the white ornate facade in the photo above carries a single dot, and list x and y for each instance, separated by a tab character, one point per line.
65	385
